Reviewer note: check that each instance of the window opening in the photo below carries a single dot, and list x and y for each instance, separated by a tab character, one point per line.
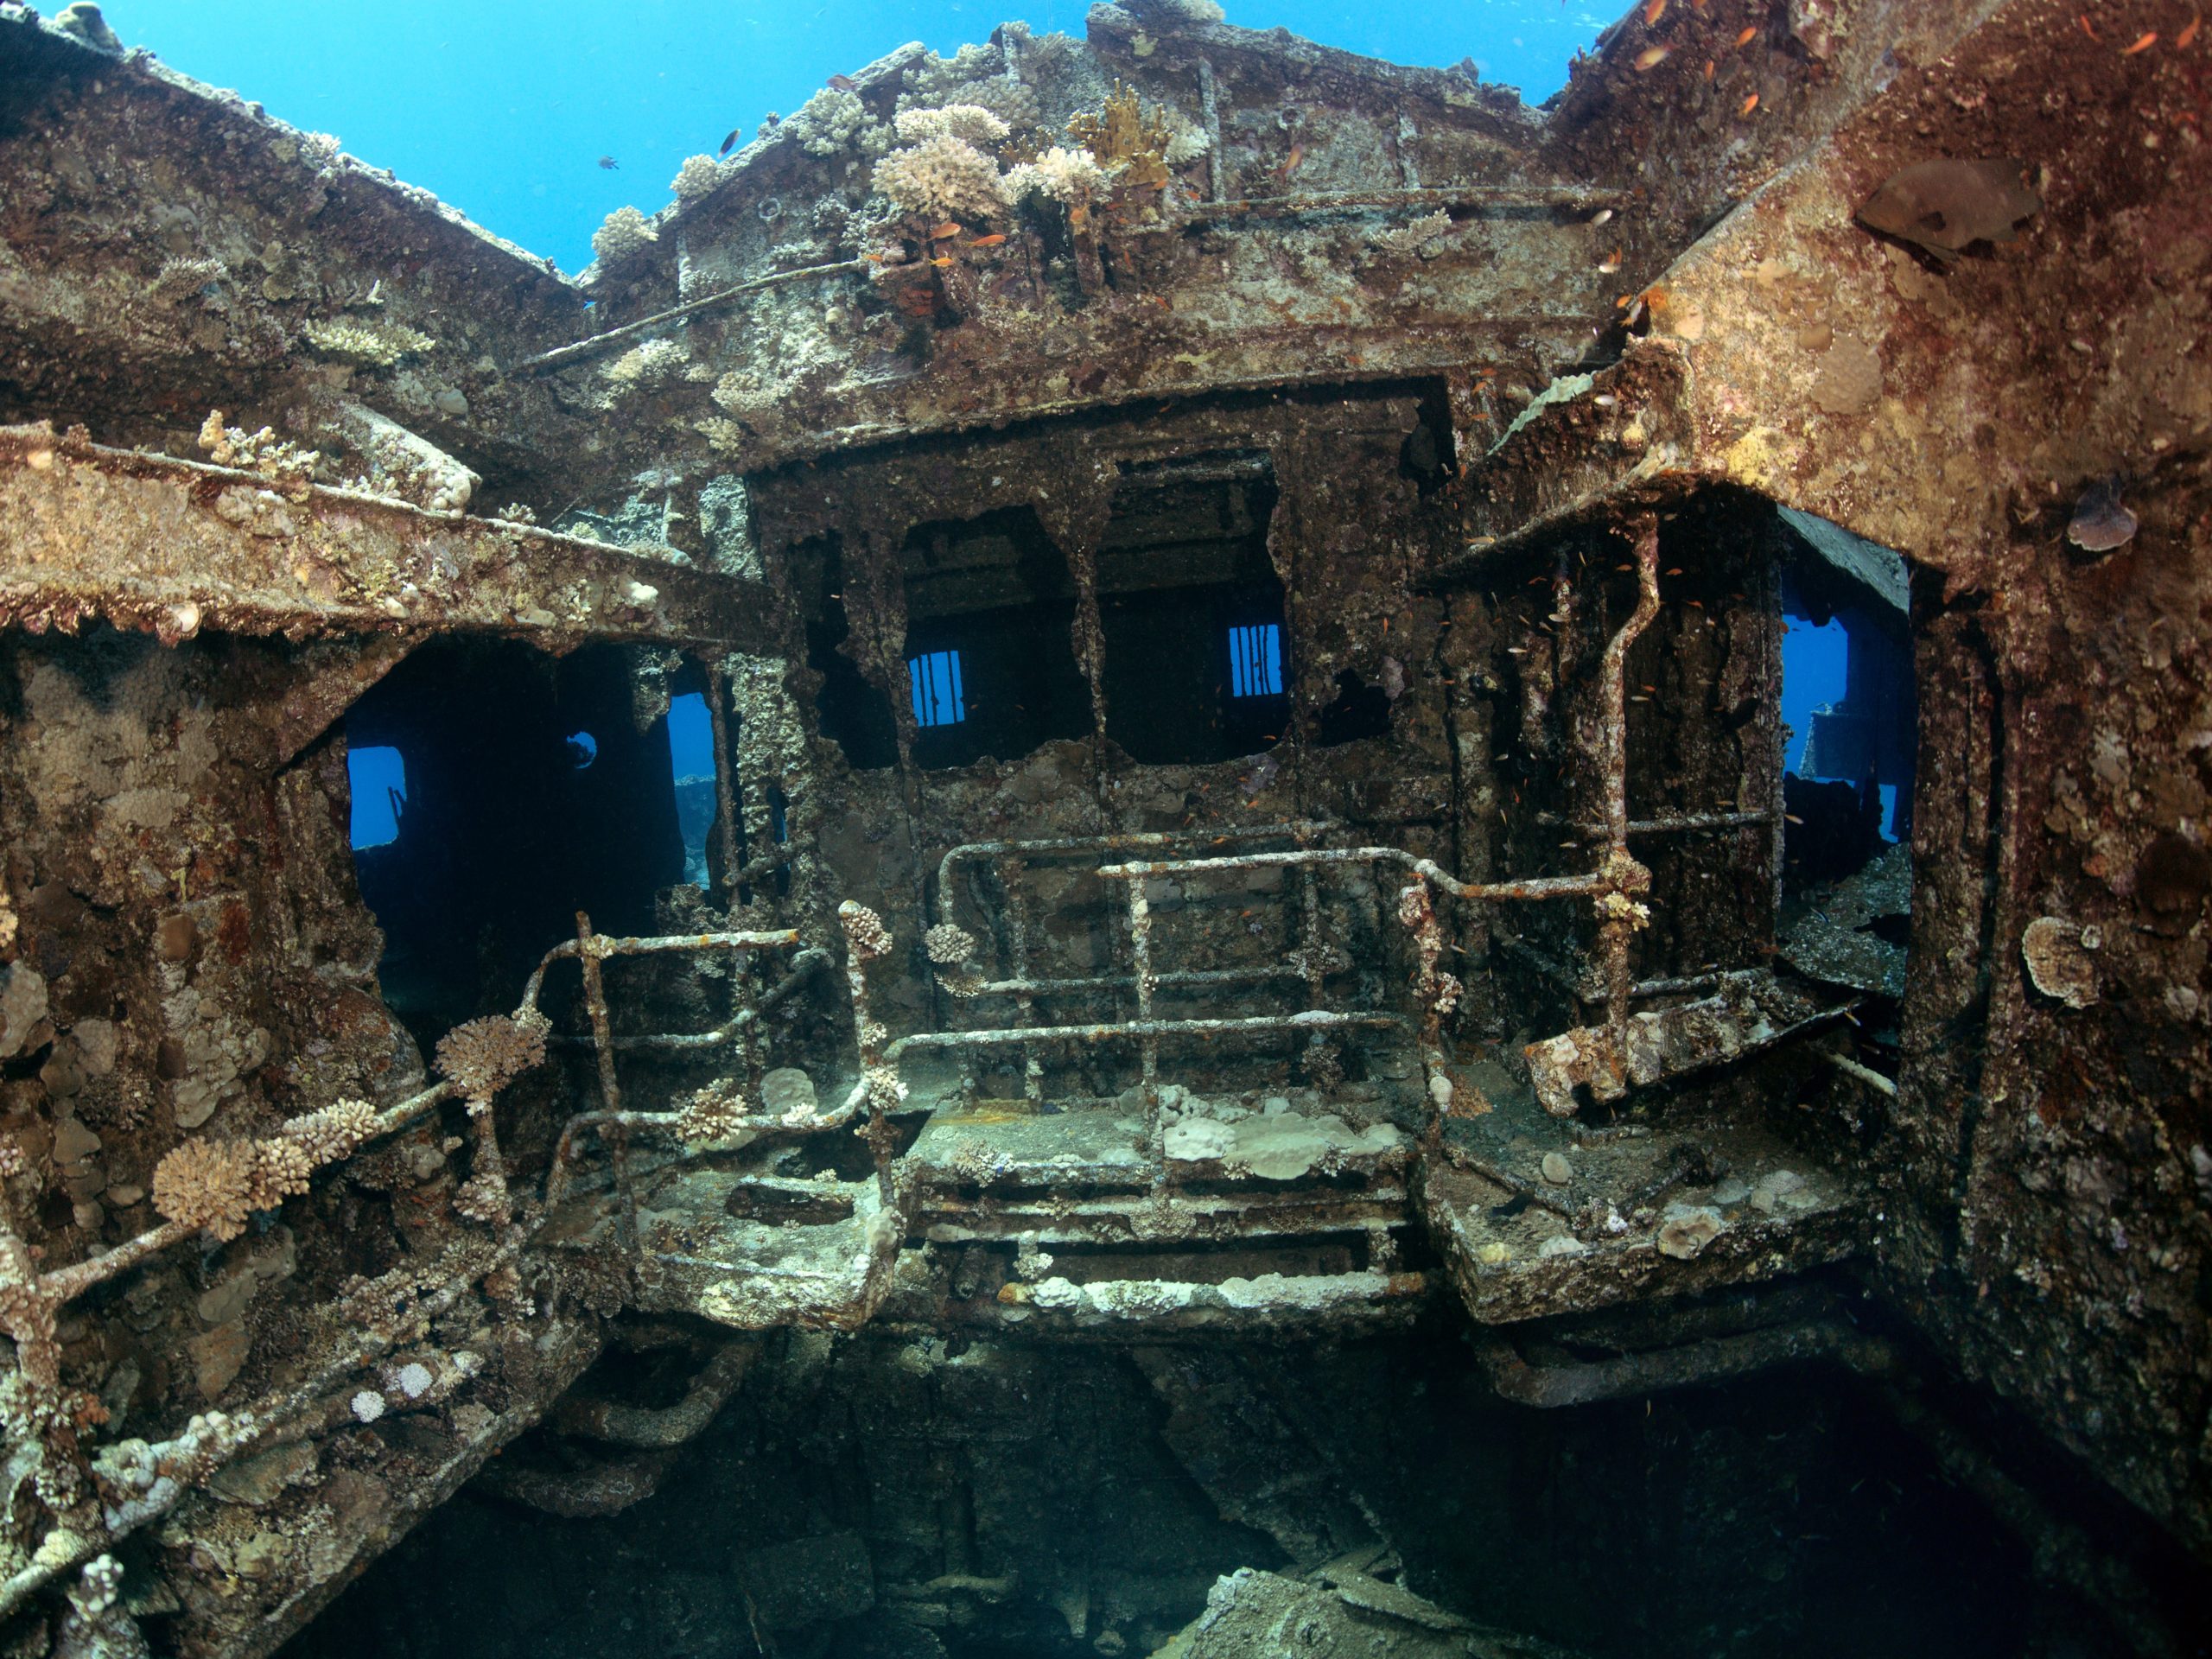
855	713
378	776
1192	611
584	749
935	682
1359	710
502	837
1256	660
691	762
990	645
1849	712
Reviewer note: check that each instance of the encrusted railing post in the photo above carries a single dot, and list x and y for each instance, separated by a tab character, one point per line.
1619	914
589	950
868	940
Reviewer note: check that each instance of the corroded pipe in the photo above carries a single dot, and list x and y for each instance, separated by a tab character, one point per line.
1129	842
1620	915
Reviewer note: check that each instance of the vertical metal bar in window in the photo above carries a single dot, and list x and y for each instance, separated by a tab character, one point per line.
959	701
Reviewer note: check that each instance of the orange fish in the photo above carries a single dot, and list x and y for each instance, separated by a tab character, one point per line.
2187	38
2084	21
942	261
1750	104
989	241
1610	263
1652	57
1747	37
949	228
1708	69
1290	165
1653	12
2143	45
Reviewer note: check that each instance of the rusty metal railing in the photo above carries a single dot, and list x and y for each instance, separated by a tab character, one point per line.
1614	887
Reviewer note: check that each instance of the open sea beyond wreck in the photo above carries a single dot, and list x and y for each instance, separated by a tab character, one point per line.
509	109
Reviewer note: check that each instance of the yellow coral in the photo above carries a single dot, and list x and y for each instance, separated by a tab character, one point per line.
484	1056
380	346
697	176
207	1183
333	1133
280	1168
942	178
1128	144
624	236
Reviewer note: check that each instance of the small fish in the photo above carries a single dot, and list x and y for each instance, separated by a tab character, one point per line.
1709	66
2143	45
1653	12
609	163
1290	165
1652	57
2187	38
844	83
942	261
1610	263
1512	1207
991	241
730	142
1601	216
2101	522
1750	104
1747	37
2084	21
950	228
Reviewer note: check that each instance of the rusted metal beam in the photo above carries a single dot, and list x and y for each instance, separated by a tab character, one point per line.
1580	197
173	547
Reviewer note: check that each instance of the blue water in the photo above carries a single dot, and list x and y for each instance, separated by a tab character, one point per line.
378	776
504	107
690	736
1813	666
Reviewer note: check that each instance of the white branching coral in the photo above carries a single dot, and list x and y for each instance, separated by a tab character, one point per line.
943	178
1186	142
333	1132
1012	101
1071	177
184	279
208	1185
280	1168
378	344
262	452
834	121
715	1113
933	81
484	1056
949	945
643	368
697	176
623	236
864	931
483	1197
969	123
